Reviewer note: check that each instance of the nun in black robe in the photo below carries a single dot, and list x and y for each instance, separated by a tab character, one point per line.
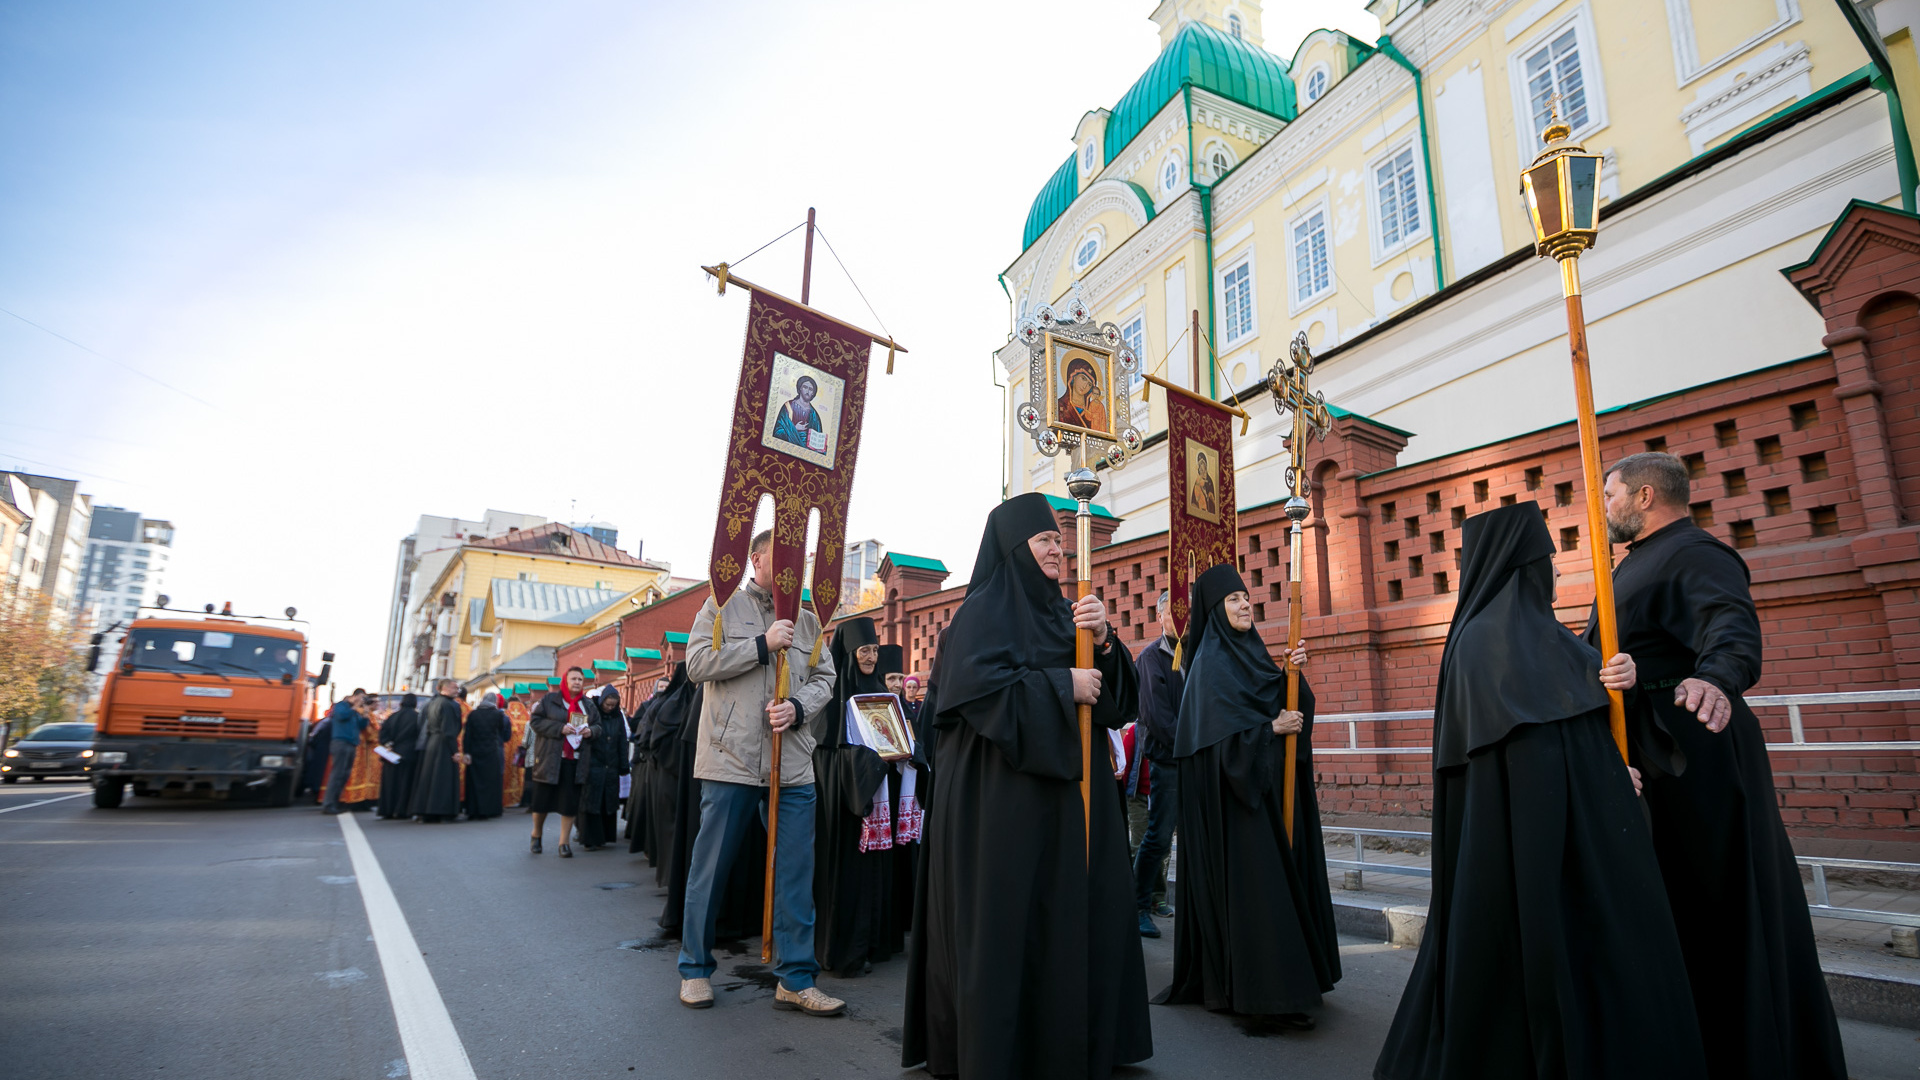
678	703
907	845
638	754
1027	962
852	890
741	904
484	740
1549	950
1686	612
606	763
1253	929
398	733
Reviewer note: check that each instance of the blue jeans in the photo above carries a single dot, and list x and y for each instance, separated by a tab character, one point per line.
724	817
1163	816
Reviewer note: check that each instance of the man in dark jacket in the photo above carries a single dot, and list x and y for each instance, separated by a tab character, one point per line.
1687	618
1160	687
347	723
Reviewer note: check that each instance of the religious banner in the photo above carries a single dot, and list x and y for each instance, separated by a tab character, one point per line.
1203	526
795	436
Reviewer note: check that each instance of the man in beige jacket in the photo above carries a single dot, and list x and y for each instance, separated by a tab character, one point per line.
738	717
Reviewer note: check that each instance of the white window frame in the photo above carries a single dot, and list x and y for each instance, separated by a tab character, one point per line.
1244	258
1218	146
1138	380
1088	165
1581	19
1306	81
1687	62
1381	250
1099	237
1295	302
1236	26
1179	161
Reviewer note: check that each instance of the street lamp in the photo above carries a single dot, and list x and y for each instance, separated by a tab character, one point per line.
1562	188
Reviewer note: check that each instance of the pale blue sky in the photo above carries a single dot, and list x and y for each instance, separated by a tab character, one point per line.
439	257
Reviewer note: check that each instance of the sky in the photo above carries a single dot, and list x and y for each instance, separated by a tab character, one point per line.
290	276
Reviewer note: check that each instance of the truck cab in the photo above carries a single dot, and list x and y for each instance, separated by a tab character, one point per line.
203	706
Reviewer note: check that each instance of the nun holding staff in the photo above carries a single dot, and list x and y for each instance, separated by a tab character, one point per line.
1253	929
1549	949
1027	963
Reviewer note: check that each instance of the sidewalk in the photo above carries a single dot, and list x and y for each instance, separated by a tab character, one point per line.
1867	979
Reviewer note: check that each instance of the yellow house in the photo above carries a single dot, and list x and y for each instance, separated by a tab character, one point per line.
1367	194
503	596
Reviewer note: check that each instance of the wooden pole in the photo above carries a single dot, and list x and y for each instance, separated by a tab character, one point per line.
1599	543
1083	657
781	678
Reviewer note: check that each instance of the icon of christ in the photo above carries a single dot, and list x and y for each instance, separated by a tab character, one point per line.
799	421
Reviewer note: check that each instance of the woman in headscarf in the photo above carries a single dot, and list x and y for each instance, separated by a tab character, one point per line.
563	722
606	764
398	734
484	739
852	869
1253	929
1027	963
1549	949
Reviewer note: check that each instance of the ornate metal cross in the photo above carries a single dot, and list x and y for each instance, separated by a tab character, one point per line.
1311	417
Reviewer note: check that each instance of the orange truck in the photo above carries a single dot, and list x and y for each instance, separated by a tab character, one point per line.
212	706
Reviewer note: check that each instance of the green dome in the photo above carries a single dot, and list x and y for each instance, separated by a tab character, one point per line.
1198	55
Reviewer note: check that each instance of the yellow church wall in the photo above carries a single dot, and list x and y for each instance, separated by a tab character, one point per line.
470	576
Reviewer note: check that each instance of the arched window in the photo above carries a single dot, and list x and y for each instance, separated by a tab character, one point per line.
1316	84
1087	250
1086	157
1170	174
1233	26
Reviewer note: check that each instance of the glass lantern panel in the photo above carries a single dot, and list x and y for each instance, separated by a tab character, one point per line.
1583	189
1544	184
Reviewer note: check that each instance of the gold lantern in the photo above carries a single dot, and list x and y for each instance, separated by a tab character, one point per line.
1562	187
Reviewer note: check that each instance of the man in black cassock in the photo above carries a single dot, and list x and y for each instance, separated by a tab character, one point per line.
1161	684
1687	617
1548	951
398	733
1026	965
484	739
852	891
1254	931
436	788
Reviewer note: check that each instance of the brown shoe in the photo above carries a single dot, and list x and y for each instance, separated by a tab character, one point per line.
810	1001
696	993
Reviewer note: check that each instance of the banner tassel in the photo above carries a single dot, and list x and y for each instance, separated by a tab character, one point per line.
813	661
1177	646
716	628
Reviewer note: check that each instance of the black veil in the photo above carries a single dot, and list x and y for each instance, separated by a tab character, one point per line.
1232	681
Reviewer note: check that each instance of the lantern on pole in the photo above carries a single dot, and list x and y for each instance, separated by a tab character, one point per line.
1562	188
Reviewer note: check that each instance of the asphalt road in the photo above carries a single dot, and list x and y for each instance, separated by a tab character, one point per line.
172	938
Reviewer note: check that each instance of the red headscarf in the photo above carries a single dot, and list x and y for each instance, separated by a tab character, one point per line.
569	698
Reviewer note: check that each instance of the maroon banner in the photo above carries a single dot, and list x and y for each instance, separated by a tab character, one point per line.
795	435
1203	528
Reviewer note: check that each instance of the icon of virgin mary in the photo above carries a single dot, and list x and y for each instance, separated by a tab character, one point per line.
1081	404
799	422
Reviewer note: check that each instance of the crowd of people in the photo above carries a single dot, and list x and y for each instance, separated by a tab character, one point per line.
1591	916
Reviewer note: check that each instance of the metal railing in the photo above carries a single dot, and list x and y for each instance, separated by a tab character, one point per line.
1821	904
1793	703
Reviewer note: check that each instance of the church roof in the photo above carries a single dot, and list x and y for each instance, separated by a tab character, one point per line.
554	538
545	601
1199	55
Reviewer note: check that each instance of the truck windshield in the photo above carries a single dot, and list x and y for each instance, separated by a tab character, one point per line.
215	651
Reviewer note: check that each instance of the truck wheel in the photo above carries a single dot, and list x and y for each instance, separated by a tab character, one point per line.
280	792
9	779
108	793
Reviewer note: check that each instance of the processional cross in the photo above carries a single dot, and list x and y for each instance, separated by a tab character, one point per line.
1311	420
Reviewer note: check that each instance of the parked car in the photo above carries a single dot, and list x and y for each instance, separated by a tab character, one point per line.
49	750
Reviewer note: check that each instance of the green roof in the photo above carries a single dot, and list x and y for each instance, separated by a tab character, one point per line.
553	680
1061	503
518	689
1058	194
1199	55
643	654
916	562
677	639
609	665
1339	412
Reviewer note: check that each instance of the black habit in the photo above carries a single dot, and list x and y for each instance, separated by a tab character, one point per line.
906	853
606	762
1253	929
313	768
1027	962
436	789
640	724
1549	950
399	733
852	890
485	741
660	816
1685	612
741	904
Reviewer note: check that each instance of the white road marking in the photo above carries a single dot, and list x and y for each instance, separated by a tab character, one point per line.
43	802
427	1036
